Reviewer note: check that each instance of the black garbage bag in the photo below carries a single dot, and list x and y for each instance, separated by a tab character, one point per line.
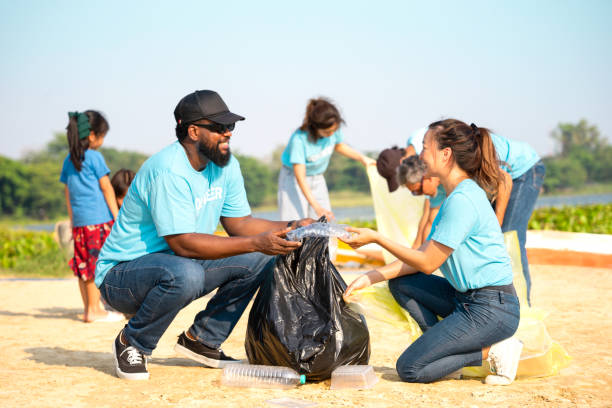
300	320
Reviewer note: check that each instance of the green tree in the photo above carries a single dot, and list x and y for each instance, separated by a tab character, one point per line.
54	151
118	159
346	174
571	137
563	173
259	181
14	178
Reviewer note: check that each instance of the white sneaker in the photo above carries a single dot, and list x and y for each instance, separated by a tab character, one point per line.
504	359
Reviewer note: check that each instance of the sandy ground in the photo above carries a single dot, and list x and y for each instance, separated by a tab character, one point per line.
51	359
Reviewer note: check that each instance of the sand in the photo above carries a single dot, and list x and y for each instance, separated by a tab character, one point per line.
51	359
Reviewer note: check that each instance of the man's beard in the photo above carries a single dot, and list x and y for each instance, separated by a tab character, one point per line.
214	154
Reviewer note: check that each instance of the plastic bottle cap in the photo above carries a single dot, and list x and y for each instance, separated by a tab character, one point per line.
302	379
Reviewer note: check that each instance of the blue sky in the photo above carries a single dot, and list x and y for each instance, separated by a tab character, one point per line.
518	67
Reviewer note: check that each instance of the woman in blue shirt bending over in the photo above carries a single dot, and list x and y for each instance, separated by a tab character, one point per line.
302	191
476	296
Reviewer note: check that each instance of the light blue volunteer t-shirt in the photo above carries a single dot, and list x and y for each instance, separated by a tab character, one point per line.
519	155
467	224
438	199
315	156
416	139
168	196
86	199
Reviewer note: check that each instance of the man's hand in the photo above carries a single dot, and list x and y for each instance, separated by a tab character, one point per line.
301	223
274	242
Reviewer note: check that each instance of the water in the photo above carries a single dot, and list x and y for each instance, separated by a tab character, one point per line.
367	212
558	201
342	213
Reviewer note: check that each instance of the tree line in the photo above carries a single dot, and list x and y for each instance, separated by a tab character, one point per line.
30	187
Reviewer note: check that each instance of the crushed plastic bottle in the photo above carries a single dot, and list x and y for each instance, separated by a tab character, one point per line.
319	229
260	376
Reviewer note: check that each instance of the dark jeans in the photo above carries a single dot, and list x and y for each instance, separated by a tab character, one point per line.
156	287
525	191
470	323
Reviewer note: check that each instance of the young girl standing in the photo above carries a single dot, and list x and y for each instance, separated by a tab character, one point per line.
476	296
91	204
302	191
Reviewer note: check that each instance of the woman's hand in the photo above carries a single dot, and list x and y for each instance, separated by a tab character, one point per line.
367	161
360	237
361	282
322	211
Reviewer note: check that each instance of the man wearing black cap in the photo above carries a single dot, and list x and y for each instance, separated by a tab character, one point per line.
161	253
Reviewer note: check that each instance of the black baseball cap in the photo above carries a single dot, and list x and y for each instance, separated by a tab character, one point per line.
204	105
387	163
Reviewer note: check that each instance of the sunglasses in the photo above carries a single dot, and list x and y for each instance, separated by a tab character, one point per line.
216	127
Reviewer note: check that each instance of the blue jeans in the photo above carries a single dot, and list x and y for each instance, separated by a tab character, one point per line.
155	287
472	321
525	191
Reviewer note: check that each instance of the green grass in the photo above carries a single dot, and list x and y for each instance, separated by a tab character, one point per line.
31	253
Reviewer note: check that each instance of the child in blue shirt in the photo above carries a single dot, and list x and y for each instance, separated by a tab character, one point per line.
302	190
476	297
91	204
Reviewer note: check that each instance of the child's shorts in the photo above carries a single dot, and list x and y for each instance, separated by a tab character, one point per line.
88	241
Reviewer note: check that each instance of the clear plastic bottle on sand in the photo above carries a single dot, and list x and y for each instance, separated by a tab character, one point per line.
260	376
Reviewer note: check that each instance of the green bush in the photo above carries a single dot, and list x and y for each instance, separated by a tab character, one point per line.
595	219
31	253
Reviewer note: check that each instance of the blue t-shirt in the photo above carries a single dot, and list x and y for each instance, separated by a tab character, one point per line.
86	199
467	224
416	139
168	196
438	199
315	156
519	155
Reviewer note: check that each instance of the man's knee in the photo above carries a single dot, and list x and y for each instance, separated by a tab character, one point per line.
260	265
185	278
408	370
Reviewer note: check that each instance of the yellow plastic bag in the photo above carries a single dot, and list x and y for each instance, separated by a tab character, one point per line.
377	302
397	213
541	356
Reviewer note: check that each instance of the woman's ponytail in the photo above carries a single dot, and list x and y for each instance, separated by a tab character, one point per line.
488	173
473	151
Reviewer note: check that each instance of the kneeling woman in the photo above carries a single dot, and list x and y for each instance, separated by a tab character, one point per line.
476	297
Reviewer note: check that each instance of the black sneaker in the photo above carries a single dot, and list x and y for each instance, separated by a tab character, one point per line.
193	349
130	363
